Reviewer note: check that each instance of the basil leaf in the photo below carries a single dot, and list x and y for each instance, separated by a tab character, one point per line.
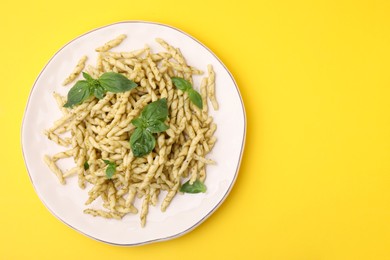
111	168
78	93
196	187
110	171
115	82
195	98
139	122
186	86
86	165
149	122
181	83
99	91
106	161
157	127
157	110
87	77
109	81
142	142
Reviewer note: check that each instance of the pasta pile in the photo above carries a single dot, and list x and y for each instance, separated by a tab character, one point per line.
101	129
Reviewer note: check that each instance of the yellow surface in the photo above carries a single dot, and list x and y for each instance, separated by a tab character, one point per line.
315	78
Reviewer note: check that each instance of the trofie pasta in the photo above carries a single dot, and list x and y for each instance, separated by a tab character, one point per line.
100	130
79	67
111	44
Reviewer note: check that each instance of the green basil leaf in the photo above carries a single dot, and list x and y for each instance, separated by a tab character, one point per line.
99	91
181	83
115	82
78	93
196	187
86	165
142	142
195	98
110	170
106	161
186	86
157	127
139	122
150	121
87	77
157	110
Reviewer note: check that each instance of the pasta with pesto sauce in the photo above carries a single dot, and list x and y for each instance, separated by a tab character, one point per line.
100	130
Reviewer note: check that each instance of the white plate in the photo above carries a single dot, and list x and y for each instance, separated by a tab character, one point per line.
187	211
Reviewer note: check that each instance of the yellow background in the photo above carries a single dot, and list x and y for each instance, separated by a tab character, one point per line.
315	78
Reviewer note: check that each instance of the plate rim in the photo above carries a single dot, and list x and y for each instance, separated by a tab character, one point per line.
200	221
